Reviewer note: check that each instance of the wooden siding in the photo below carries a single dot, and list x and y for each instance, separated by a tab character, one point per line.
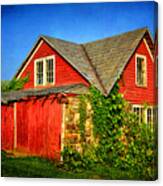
7	127
65	73
133	93
39	127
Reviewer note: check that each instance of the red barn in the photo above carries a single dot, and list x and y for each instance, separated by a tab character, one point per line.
32	119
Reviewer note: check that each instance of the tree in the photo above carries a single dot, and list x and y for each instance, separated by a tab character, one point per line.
13	84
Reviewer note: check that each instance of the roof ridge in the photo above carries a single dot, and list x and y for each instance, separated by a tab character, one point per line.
117	35
108	37
93	68
62	40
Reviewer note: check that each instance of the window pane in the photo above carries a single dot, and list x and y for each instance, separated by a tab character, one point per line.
138	112
150	117
49	71
141	71
155	115
39	72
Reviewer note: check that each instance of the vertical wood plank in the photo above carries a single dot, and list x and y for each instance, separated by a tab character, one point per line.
15	125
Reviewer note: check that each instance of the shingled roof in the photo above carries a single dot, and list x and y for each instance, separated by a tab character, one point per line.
101	62
13	96
110	55
75	55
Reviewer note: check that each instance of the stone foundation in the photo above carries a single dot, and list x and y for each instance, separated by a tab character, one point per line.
72	137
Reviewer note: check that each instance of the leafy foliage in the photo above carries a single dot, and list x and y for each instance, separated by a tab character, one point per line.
121	141
14	84
77	162
83	115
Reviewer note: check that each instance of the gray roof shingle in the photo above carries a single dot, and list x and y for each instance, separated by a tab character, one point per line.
12	96
75	55
110	55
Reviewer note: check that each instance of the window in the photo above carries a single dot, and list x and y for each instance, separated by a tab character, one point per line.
138	110
155	115
150	117
39	72
44	71
146	115
49	71
141	75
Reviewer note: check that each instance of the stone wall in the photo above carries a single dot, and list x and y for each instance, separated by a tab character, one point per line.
72	137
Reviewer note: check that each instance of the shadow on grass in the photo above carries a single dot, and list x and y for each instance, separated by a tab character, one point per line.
42	168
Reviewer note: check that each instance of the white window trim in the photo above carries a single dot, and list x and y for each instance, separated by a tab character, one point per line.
140	106
145	109
35	78
145	59
44	70
152	108
54	69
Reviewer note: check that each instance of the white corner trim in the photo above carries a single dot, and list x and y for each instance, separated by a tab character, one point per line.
15	125
145	58
147	46
27	63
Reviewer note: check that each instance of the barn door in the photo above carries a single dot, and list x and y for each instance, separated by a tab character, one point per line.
38	127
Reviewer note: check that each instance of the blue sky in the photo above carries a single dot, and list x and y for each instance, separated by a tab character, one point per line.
21	25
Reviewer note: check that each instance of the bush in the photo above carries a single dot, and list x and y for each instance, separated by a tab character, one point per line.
77	162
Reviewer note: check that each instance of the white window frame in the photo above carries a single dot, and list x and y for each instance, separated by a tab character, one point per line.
47	58
156	114
145	112
152	110
145	59
139	106
35	71
44	71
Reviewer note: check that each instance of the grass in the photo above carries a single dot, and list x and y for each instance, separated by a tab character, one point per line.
43	168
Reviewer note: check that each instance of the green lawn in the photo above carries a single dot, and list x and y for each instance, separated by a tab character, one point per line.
39	167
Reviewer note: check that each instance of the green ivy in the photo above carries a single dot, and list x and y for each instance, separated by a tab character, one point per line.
123	143
83	115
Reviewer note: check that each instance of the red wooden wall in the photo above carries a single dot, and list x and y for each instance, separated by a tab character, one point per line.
133	93
39	127
65	73
7	127
156	65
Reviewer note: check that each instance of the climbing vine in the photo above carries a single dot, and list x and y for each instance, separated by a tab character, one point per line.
83	115
121	141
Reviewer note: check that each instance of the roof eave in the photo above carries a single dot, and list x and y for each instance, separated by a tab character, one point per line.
122	68
28	56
